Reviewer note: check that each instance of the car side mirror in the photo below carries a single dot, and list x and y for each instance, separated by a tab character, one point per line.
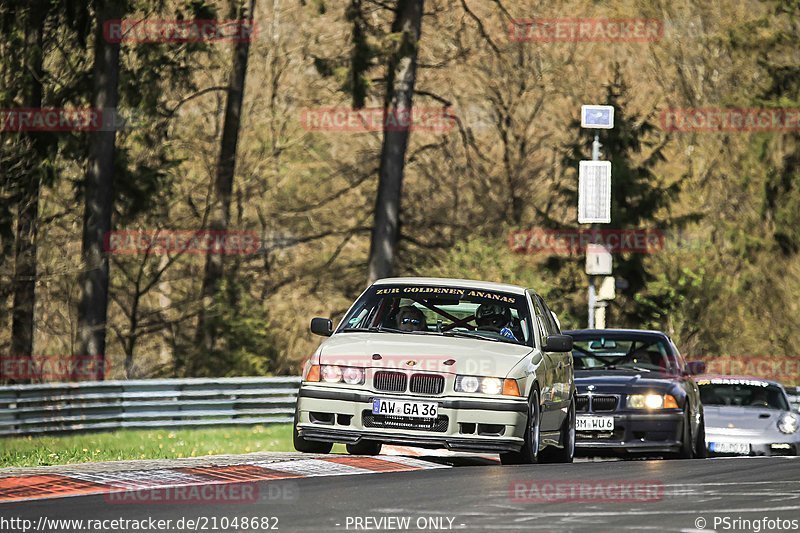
322	327
694	368
558	343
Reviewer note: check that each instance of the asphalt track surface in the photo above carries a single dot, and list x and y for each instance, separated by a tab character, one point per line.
684	495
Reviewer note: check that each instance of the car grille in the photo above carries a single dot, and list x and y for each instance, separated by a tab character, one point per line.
604	403
390	381
427	384
595	403
581	404
438	424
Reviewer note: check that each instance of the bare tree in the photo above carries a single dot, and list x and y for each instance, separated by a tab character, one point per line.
226	166
99	190
401	76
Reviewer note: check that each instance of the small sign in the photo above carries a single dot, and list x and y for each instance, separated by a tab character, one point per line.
597	117
606	291
594	192
598	260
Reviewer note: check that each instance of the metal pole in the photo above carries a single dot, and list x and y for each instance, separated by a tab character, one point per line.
592	293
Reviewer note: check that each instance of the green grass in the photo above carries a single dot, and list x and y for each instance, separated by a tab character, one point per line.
144	444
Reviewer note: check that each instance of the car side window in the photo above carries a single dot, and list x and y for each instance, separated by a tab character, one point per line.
546	316
541	318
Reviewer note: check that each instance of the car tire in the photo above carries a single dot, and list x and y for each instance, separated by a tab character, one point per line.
308	446
365	447
686	450
529	453
701	448
565	454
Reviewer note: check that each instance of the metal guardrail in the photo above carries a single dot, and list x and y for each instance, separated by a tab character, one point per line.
151	403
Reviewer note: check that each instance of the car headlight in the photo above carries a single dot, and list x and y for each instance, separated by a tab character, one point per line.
337	374
652	401
788	423
487	385
353	376
491	385
467	384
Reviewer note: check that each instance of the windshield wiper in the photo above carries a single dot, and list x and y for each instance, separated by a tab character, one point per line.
472	335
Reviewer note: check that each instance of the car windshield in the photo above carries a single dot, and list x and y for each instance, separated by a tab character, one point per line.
601	353
742	393
449	311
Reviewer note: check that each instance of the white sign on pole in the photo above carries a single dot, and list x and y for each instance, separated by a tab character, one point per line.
598	260
606	291
594	192
597	116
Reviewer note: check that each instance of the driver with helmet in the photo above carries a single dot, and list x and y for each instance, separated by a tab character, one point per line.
497	318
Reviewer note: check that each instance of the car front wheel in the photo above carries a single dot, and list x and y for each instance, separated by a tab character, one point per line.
308	446
566	453
529	453
365	447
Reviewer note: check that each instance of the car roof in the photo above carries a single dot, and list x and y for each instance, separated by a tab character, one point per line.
454	282
617	333
737	377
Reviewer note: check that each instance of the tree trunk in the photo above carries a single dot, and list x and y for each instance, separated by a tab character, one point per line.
223	184
399	92
24	286
99	193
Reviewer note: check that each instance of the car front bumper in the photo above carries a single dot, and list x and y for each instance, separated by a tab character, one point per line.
769	444
463	423
634	433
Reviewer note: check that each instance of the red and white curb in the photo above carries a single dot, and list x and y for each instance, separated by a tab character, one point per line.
61	485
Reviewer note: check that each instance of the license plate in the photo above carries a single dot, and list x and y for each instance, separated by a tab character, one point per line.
738	448
594	423
382	406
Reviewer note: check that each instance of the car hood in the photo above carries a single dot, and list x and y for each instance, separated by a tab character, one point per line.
425	353
622	380
729	417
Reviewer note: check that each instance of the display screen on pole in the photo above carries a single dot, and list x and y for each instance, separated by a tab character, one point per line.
594	192
597	116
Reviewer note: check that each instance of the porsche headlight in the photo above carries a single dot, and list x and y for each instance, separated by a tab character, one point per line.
788	423
652	401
